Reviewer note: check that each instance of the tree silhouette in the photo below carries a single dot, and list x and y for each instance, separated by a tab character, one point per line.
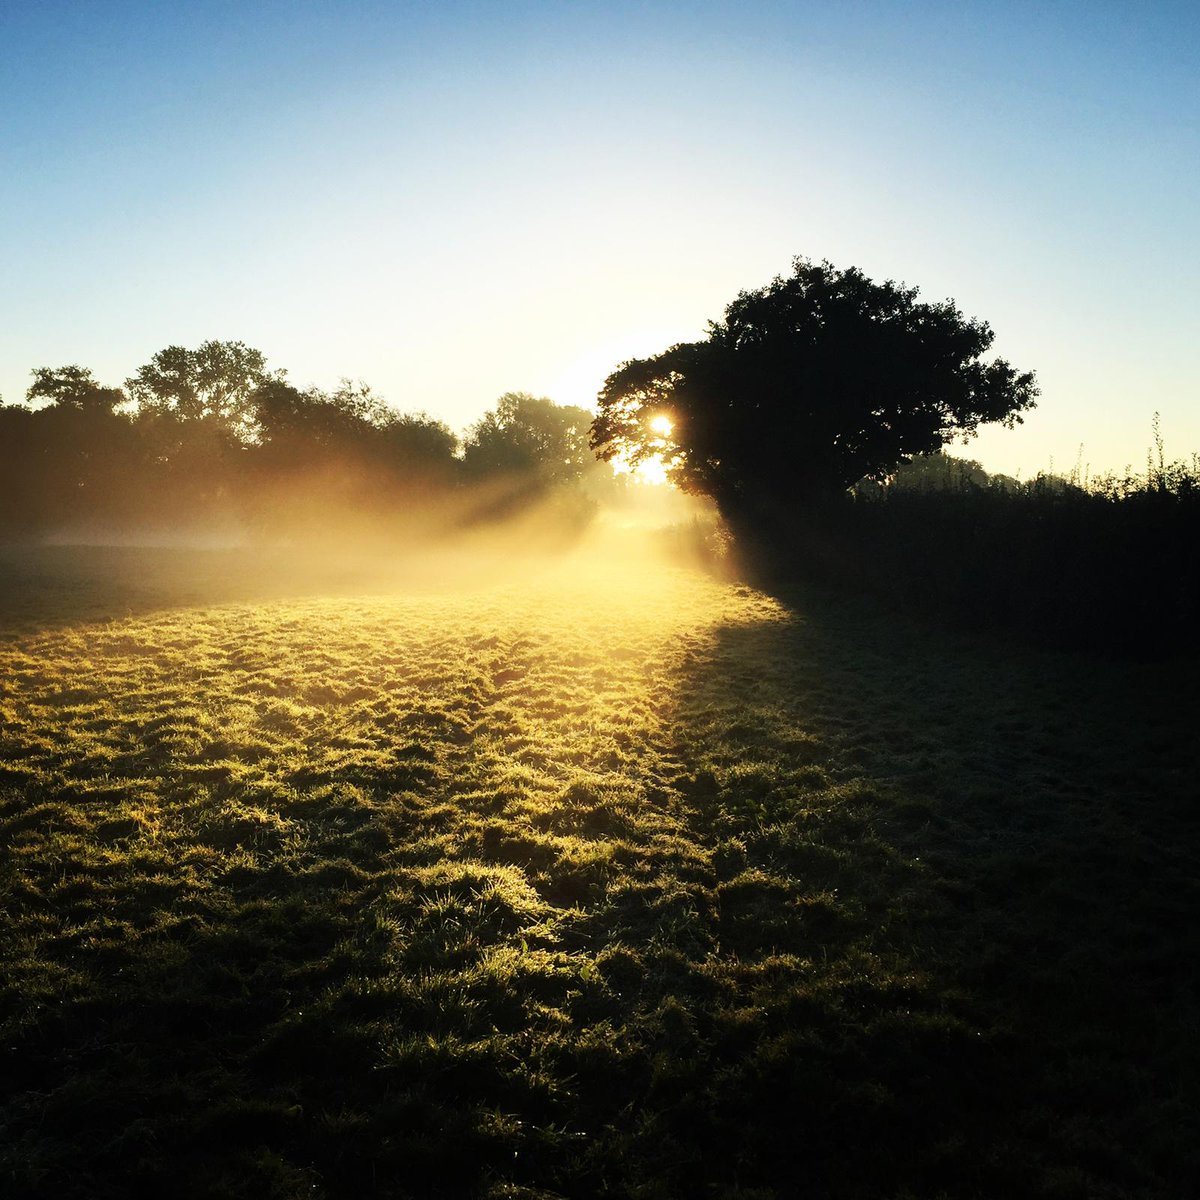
298	426
807	385
421	446
302	425
72	387
321	459
67	456
938	472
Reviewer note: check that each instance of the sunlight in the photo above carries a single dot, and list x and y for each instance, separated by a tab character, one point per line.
578	376
652	470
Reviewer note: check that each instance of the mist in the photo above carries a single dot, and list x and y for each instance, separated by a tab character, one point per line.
212	450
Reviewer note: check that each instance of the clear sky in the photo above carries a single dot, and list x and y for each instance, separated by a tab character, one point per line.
454	200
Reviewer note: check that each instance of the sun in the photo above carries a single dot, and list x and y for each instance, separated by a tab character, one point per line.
661	425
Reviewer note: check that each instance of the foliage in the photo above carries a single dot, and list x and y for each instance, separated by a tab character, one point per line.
351	422
67	451
420	445
938	472
215	383
314	419
321	457
1109	568
530	436
806	386
507	892
217	444
72	387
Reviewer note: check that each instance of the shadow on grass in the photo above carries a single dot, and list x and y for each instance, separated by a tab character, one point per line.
1008	838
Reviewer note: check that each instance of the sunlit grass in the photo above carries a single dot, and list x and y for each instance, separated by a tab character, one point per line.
596	877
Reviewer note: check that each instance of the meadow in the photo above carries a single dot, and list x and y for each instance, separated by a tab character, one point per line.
579	876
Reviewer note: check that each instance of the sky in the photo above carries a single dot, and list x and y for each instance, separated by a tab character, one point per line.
457	200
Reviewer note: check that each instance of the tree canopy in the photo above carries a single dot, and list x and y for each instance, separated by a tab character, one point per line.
530	436
807	385
212	440
297	428
72	387
215	382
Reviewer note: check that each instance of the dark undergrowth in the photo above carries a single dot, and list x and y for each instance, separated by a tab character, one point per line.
1109	569
614	884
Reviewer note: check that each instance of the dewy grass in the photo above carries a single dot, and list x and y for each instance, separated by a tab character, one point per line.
610	881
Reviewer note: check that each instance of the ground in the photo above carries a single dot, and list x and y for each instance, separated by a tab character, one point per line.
590	876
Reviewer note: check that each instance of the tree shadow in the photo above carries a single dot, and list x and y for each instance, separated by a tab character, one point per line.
980	857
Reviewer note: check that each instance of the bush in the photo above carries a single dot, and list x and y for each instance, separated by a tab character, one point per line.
1108	567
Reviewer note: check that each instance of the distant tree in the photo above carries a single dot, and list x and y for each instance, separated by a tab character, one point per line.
23	497
420	445
281	410
66	456
361	405
304	424
531	437
807	385
215	383
934	473
322	459
71	387
354	420
938	472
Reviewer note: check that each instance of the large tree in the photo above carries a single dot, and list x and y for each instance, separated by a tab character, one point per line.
807	385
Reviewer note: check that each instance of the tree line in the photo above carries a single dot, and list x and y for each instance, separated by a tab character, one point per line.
813	415
213	439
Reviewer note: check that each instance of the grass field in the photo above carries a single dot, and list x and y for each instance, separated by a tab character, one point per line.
592	877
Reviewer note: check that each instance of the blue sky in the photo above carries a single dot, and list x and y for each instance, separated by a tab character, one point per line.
451	201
